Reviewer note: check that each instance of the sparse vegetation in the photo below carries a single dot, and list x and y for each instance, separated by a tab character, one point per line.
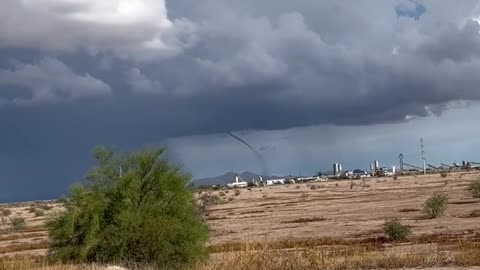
436	205
237	192
17	223
474	188
208	199
444	174
395	230
221	194
6	212
39	213
45	207
147	216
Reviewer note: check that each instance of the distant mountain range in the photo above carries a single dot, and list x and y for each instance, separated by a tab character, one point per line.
230	178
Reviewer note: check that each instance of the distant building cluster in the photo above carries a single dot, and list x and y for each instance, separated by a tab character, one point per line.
338	173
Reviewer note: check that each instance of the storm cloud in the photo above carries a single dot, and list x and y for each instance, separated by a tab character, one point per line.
128	73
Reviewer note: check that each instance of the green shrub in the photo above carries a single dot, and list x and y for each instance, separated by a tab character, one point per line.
147	216
474	188
17	223
394	229
436	205
39	213
6	212
46	207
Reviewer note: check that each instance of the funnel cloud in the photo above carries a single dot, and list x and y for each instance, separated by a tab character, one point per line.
261	160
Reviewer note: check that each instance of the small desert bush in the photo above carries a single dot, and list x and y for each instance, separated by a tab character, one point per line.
474	188
436	205
237	192
395	230
17	223
32	209
230	199
6	212
39	213
208	199
222	194
443	174
45	207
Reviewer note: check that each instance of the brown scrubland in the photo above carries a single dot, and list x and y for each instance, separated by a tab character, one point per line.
322	225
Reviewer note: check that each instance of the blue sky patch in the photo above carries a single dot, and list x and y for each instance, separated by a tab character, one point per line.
410	9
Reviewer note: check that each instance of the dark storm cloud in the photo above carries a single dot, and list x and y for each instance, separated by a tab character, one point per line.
223	66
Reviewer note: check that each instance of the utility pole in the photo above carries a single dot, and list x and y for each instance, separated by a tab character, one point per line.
423	156
401	162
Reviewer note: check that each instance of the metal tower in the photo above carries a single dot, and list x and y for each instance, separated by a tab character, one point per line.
401	162
423	156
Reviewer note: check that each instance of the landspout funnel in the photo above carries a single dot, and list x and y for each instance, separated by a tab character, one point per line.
260	158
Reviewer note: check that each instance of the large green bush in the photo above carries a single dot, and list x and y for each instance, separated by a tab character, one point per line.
144	216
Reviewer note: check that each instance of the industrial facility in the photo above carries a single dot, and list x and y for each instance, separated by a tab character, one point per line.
376	169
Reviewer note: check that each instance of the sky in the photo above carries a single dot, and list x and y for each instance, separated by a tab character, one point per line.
306	83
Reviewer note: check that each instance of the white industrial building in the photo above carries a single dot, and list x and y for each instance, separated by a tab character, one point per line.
275	182
239	183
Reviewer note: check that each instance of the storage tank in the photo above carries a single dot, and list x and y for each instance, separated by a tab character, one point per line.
335	168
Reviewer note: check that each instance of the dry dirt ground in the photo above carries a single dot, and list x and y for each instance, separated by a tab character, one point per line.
336	209
350	210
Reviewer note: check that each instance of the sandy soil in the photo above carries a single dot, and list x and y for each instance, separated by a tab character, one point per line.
334	209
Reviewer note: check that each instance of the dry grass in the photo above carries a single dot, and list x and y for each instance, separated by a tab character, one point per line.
268	257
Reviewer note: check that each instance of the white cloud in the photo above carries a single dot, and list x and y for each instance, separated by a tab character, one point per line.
133	29
49	80
140	83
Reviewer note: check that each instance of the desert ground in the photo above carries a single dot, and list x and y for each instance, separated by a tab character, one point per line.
345	215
